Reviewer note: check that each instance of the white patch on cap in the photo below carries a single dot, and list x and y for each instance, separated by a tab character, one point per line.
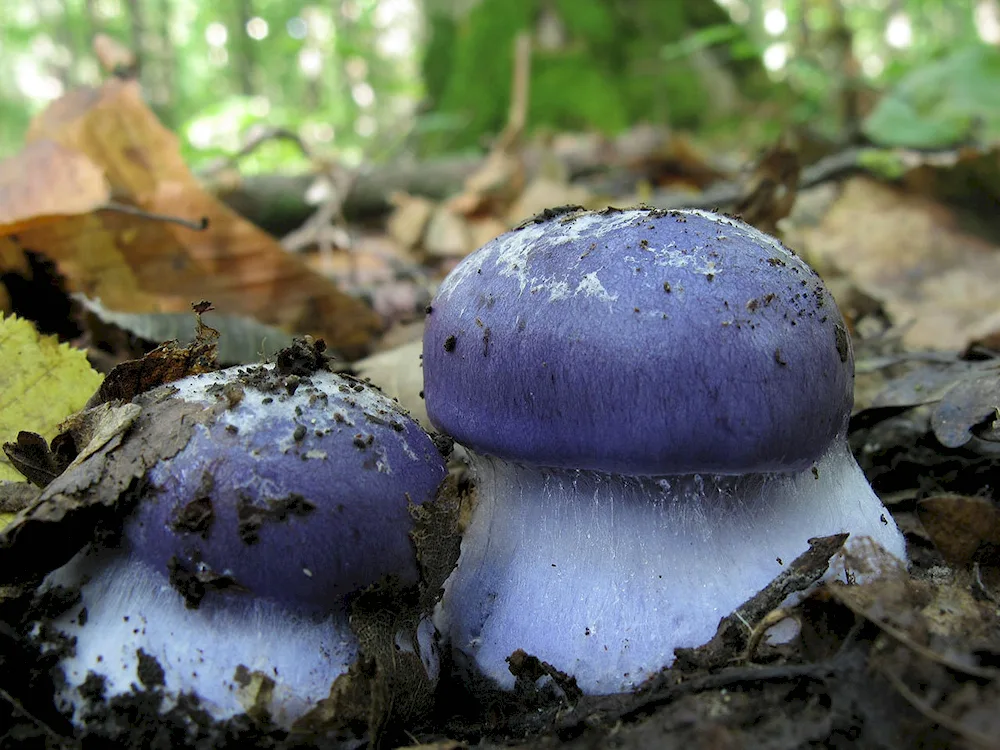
350	404
591	286
509	253
753	234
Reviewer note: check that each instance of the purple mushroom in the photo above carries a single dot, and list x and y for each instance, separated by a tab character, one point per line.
655	406
235	571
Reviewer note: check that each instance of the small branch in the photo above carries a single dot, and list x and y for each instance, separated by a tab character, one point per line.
257	139
517	115
932	714
124	208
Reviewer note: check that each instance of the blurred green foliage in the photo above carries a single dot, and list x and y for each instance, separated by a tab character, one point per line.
606	70
943	103
326	72
298	75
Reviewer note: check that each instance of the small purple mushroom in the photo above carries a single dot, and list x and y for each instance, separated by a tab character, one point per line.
655	406
236	568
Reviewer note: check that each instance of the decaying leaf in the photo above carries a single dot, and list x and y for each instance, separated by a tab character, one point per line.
41	383
46	181
934	277
15	497
30	454
928	382
136	264
409	218
736	630
964	397
972	402
447	234
166	363
544	192
960	525
96	489
936	648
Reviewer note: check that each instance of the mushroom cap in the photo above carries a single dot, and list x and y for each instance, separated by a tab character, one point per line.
641	342
297	490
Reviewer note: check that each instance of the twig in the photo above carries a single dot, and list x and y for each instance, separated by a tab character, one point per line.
933	714
739	630
918	648
257	139
124	208
850	160
59	739
517	114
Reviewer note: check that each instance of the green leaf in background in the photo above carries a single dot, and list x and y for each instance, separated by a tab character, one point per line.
709	36
942	103
41	383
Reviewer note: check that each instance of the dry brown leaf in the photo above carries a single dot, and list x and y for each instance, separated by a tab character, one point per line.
240	268
447	234
959	525
544	192
933	278
45	182
407	222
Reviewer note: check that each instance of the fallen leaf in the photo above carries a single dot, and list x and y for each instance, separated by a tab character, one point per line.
959	525
544	192
934	279
46	181
482	229
771	190
407	222
31	456
41	383
447	234
928	382
165	364
970	403
162	266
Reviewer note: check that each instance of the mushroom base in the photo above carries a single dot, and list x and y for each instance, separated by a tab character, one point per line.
134	630
603	576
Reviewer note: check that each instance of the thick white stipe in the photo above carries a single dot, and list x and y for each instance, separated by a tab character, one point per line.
603	576
129	607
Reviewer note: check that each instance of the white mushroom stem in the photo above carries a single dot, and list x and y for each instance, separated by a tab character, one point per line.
603	575
130	606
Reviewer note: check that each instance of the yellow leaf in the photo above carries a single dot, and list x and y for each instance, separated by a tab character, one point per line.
41	383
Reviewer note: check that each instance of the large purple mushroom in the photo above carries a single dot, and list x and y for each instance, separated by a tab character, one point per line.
237	567
655	406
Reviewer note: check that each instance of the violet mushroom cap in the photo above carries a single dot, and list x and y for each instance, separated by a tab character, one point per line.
655	405
237	566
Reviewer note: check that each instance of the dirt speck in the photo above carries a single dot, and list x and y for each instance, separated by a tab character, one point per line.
196	517
251	517
150	672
